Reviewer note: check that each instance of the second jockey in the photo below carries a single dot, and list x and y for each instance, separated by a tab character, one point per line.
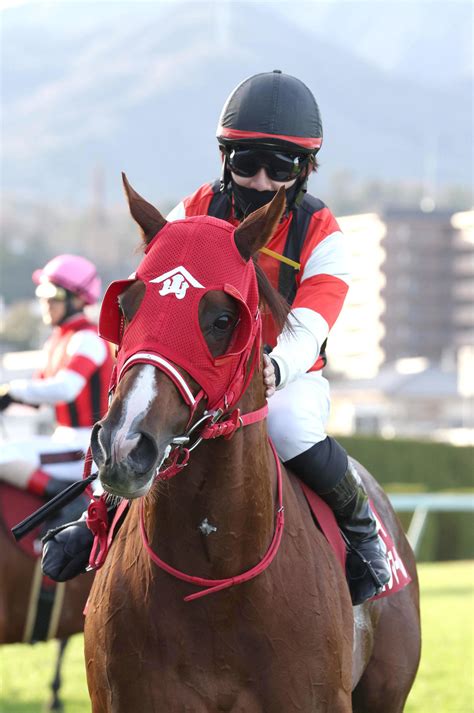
74	380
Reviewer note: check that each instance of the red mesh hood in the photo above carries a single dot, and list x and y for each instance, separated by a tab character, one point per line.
186	259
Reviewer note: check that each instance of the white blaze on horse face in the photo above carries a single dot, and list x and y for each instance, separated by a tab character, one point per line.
135	403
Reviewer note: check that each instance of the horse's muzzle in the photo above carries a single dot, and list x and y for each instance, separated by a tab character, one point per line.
126	464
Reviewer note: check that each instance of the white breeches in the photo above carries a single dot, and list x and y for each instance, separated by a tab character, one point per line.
19	458
298	414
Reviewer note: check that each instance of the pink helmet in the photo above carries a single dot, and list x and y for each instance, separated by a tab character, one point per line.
73	273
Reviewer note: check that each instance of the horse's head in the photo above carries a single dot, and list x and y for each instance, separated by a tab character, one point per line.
188	330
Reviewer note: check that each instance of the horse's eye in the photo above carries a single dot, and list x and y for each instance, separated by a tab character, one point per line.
223	323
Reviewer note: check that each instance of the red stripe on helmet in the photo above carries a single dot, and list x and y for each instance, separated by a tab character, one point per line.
312	143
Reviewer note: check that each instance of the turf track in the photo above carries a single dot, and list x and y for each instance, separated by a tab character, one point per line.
444	683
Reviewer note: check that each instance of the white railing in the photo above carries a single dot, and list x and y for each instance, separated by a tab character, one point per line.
421	504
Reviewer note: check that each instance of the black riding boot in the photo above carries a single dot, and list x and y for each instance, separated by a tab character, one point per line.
54	486
367	567
326	469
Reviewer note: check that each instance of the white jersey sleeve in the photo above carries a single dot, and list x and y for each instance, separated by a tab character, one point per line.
68	383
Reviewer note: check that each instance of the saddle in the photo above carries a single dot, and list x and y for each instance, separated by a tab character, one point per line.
17	504
326	521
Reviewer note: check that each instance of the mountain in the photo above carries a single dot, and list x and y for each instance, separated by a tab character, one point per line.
139	87
429	39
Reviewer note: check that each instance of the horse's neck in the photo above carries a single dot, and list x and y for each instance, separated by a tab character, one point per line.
227	485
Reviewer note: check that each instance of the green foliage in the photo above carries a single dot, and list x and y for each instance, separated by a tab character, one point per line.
21	328
416	466
444	682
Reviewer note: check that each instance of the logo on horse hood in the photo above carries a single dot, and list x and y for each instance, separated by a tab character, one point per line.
176	282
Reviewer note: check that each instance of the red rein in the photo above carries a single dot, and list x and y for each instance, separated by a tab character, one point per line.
98	524
215	585
97	512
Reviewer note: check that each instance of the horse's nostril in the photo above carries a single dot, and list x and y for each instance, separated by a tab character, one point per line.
100	444
145	454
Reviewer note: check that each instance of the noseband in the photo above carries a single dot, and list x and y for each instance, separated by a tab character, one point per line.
223	420
216	426
97	513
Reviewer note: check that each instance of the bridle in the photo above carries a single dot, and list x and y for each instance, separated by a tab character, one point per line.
222	421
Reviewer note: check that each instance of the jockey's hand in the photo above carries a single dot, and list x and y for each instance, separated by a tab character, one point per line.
270	376
5	398
66	550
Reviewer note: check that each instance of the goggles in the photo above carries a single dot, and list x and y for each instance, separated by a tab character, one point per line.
280	167
49	291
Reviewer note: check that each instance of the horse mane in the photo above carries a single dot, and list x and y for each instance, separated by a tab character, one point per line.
271	298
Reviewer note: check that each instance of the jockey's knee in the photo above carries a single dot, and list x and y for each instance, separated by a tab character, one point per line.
322	466
298	415
17	472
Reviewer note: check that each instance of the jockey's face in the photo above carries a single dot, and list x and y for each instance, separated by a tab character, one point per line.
52	311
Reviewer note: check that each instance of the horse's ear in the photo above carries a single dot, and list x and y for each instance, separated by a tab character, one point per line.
256	230
147	216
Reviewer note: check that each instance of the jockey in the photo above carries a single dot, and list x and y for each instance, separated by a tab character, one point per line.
75	381
269	134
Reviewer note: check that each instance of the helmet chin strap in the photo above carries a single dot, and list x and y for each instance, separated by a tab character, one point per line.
71	310
296	193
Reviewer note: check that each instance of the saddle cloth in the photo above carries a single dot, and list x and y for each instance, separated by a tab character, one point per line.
46	596
326	520
15	505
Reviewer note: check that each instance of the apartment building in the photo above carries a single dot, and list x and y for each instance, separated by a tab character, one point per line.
412	292
402	352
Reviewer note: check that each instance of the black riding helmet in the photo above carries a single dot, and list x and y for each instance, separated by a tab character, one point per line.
271	111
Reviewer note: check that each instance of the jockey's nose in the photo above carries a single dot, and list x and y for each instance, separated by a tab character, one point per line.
260	181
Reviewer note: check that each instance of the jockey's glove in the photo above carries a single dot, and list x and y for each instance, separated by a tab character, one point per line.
66	550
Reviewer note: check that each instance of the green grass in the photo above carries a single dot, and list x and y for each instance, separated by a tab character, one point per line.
26	672
444	683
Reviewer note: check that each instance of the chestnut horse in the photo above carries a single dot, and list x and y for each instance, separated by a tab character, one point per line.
276	631
18	572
